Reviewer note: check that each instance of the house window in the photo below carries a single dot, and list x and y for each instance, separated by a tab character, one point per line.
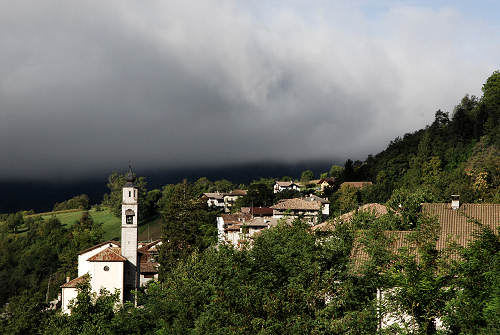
129	195
106	268
135	193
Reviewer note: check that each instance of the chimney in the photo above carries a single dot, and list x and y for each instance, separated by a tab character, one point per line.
455	201
67	279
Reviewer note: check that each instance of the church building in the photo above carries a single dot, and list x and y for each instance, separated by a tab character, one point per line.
116	265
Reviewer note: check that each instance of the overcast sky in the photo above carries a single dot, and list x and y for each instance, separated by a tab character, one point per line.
86	86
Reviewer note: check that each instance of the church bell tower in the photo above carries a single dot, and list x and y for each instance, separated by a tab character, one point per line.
129	231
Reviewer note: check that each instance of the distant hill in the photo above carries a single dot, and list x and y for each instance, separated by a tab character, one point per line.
42	195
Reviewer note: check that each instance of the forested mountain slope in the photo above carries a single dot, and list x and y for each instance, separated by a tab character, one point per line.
456	154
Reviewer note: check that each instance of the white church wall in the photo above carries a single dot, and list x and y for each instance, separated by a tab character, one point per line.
110	280
220	229
144	280
388	318
84	265
68	294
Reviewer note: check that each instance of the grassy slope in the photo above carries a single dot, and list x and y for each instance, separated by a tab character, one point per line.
111	223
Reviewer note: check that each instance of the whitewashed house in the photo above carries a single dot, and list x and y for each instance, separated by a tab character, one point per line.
231	197
215	199
310	209
280	186
456	225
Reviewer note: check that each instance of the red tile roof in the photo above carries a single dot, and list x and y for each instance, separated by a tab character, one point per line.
75	282
455	226
298	204
108	255
288	183
262	211
236	218
374	208
330	181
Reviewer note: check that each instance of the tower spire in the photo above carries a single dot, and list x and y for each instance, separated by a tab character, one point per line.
130	177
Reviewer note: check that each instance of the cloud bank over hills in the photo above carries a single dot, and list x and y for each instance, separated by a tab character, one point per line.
86	86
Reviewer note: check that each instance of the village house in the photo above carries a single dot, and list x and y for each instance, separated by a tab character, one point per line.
111	265
456	224
231	197
280	186
215	200
324	183
311	208
240	227
223	201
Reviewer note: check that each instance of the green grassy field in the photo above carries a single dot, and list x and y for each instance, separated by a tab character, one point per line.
150	229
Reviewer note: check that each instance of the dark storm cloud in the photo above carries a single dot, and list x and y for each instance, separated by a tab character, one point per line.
89	85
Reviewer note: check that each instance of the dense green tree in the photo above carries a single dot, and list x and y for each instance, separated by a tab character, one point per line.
408	205
78	202
348	199
188	225
348	171
91	313
306	176
259	194
421	287
472	310
14	221
113	199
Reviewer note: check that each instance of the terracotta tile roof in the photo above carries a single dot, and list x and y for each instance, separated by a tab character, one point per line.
330	181
356	184
149	267
236	217
108	255
76	281
374	208
455	226
396	239
219	196
261	211
233	227
297	204
111	244
148	246
315	197
288	183
236	193
148	264
261	222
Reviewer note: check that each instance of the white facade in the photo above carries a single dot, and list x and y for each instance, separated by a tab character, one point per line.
129	224
392	316
220	229
282	186
107	275
84	265
325	210
67	296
